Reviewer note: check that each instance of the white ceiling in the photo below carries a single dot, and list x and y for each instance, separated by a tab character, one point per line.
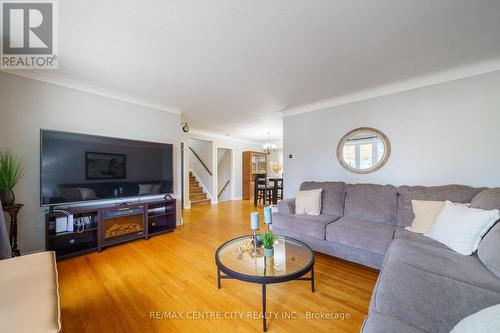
231	66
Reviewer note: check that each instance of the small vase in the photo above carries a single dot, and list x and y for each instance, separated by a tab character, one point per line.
8	198
268	252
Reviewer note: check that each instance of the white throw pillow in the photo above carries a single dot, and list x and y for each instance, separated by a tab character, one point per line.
461	228
87	193
308	202
426	213
484	321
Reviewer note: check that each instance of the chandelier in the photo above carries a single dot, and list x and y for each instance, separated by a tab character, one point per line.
269	146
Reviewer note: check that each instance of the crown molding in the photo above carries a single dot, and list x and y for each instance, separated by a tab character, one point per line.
209	135
398	87
91	89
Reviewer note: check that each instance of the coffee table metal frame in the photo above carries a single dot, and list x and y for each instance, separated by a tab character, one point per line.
264	280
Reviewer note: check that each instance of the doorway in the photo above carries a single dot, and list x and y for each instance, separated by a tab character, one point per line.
224	174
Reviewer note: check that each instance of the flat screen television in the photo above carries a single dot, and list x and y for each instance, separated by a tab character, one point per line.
76	168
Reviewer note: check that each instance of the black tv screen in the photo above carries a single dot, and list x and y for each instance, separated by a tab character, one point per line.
80	167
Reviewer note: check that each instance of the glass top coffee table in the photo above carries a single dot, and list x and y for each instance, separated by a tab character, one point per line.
291	261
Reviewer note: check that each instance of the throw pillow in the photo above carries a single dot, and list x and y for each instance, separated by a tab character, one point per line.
70	194
486	320
489	250
461	228
308	202
87	193
145	189
156	189
487	199
426	213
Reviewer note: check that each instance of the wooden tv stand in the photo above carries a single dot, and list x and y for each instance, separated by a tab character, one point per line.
107	225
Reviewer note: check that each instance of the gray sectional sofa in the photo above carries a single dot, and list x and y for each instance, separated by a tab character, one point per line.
423	285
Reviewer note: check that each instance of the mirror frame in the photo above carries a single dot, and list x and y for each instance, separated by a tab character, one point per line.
383	160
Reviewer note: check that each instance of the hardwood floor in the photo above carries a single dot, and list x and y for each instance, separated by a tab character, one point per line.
175	274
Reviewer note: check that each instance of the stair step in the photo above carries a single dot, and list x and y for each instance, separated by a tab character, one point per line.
197	196
195	190
200	203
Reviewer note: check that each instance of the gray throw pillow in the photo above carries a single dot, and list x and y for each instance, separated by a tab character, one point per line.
489	250
145	189
487	199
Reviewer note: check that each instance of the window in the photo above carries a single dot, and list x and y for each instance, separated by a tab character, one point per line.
363	153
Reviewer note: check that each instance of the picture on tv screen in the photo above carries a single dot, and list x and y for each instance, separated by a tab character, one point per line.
106	166
79	167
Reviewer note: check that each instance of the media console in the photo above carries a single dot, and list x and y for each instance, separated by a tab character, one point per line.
97	227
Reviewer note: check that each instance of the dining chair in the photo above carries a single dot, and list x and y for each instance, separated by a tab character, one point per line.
278	190
262	190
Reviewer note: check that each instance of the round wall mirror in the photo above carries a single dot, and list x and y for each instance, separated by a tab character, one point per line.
363	150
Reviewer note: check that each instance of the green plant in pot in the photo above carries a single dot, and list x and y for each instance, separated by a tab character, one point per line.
11	172
268	240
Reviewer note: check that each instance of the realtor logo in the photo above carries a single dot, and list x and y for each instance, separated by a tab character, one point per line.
28	34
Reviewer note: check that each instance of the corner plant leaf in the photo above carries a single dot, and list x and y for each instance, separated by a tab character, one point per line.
11	170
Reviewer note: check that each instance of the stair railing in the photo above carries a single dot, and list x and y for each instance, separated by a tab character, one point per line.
223	189
202	163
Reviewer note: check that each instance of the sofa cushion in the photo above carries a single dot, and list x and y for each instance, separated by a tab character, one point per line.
371	202
489	250
338	250
422	299
487	199
332	197
453	193
370	236
379	323
443	262
401	233
286	206
313	226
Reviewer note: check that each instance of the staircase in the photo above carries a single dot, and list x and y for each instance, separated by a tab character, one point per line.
197	197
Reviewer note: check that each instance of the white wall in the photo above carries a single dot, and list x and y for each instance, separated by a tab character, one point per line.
27	105
237	146
224	173
441	134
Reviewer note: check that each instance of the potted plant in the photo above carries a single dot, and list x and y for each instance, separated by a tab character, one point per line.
11	172
268	240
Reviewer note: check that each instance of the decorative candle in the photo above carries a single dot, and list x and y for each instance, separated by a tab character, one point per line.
254	220
268	215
